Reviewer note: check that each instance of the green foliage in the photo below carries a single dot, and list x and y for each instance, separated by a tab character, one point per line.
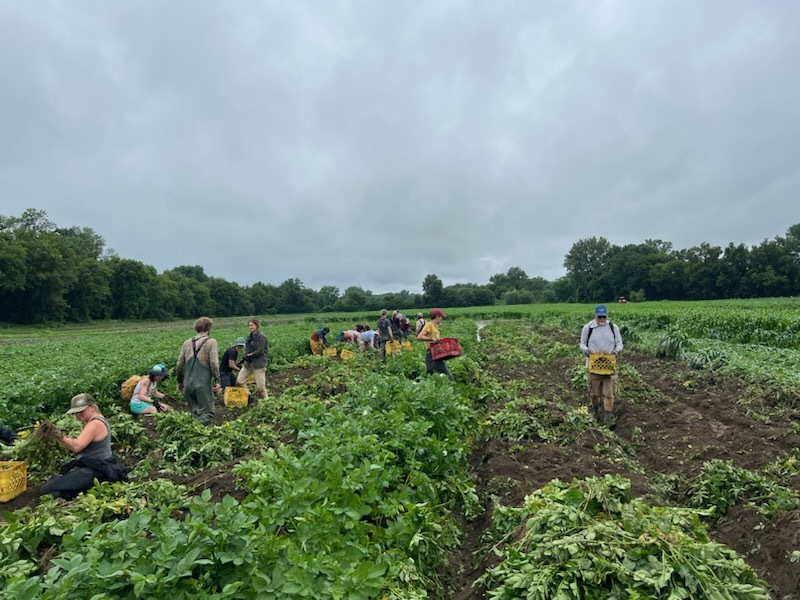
707	359
721	485
186	446
673	344
633	387
27	530
538	419
588	539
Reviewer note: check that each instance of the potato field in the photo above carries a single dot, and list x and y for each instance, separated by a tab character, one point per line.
356	479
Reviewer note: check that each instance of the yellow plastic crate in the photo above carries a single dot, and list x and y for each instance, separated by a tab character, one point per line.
407	346
393	347
236	397
13	479
602	364
346	354
329	352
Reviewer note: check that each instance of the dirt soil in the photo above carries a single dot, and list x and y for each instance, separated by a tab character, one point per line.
675	419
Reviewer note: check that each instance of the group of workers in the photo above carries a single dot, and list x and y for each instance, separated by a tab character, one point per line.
389	329
201	374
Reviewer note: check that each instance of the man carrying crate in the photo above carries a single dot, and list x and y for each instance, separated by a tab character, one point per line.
601	342
430	335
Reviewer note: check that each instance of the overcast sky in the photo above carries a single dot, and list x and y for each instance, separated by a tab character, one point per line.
371	142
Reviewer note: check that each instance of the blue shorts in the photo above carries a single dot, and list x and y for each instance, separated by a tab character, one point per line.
138	408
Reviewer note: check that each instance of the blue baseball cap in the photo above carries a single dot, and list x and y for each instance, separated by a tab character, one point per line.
600	310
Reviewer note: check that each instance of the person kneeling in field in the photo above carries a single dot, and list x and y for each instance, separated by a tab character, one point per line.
93	449
317	340
146	399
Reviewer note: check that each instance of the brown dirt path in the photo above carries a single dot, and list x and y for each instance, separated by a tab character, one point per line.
673	419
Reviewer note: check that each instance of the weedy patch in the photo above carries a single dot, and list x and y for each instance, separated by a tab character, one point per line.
538	419
721	485
633	387
591	538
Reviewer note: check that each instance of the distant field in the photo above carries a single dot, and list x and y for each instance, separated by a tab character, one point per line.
758	340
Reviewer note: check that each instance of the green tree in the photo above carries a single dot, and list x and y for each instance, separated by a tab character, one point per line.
732	278
89	298
264	298
588	266
82	242
353	299
432	290
229	299
132	283
195	272
294	297
13	264
327	298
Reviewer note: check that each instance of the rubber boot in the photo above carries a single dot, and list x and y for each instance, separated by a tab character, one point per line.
608	418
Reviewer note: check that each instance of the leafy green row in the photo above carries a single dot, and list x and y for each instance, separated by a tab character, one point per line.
589	539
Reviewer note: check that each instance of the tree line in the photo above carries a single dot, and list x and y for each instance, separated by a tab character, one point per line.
50	274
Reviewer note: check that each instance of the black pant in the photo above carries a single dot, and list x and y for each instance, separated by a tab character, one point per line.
227	379
436	366
70	484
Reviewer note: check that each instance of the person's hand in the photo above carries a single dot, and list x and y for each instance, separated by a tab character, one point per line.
217	387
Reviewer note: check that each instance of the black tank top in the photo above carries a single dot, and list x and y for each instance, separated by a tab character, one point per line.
99	450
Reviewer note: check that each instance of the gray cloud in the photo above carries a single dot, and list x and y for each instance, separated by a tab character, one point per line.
371	143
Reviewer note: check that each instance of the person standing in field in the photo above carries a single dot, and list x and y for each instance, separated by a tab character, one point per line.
229	364
403	326
430	335
198	371
317	340
396	324
420	324
601	336
255	359
385	334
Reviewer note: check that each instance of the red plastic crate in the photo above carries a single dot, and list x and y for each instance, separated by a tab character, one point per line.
446	348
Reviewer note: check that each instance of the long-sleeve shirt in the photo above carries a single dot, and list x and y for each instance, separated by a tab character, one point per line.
208	355
258	346
605	339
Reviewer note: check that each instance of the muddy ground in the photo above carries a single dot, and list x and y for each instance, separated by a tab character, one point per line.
671	419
